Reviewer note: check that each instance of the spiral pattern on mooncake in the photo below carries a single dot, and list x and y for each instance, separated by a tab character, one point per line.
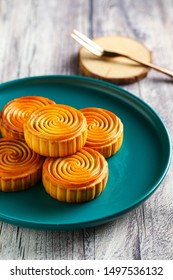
20	167
105	131
17	111
56	130
76	178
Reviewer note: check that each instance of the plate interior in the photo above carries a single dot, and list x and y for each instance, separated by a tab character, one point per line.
134	172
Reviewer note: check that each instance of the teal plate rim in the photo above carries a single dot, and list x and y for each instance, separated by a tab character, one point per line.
139	119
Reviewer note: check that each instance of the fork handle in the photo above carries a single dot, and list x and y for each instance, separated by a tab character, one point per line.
153	66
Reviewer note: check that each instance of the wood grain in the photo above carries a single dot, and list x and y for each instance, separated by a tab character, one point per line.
35	40
118	70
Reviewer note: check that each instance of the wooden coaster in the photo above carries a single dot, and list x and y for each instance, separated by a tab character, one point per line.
118	70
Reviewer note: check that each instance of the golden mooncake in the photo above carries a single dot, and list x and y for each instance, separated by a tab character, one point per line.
20	167
16	111
56	130
76	178
105	131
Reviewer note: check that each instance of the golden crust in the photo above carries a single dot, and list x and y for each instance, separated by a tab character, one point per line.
105	131
56	130
76	178
20	167
16	112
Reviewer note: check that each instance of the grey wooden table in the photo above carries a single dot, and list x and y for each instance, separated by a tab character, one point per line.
35	40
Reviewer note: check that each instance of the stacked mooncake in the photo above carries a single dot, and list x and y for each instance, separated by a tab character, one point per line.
20	166
71	147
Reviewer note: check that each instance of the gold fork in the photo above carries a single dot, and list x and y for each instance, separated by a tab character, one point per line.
97	50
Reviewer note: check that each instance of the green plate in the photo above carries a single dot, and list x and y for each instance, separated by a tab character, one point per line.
135	171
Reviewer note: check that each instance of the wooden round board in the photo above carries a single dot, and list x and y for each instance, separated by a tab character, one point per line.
118	70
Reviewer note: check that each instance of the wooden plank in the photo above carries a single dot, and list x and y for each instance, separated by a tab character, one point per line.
146	229
35	40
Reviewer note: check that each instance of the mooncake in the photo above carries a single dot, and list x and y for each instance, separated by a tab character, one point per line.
105	131
16	111
20	167
76	178
56	130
